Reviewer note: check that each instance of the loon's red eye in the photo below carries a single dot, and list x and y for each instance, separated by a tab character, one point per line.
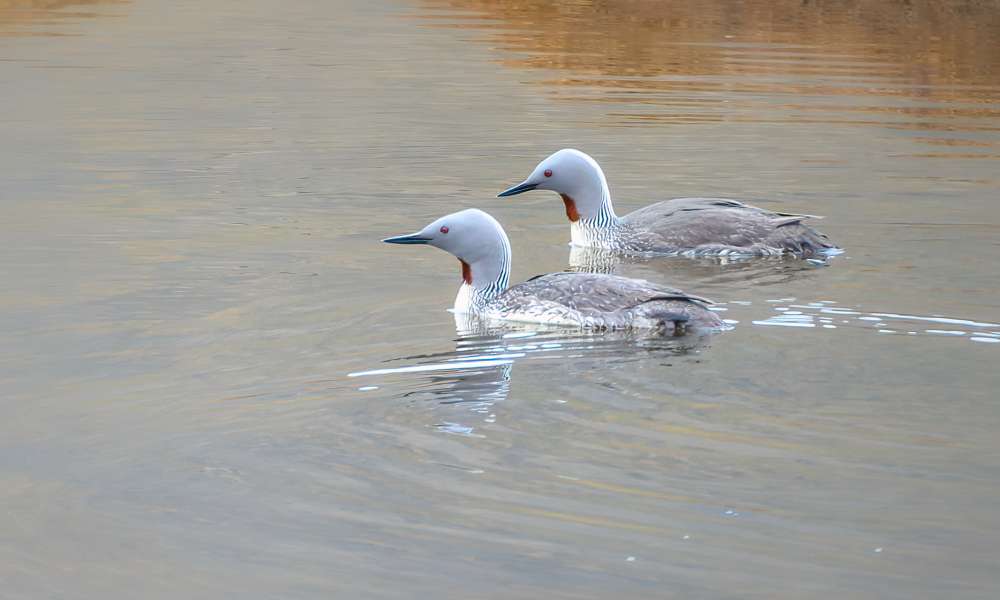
548	172
444	229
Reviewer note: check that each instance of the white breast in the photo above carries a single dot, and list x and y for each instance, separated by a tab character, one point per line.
587	237
464	300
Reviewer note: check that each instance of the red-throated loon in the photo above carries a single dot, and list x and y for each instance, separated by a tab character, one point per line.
683	226
586	300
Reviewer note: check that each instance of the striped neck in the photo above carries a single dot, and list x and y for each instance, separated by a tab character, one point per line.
605	216
601	228
593	234
593	222
486	277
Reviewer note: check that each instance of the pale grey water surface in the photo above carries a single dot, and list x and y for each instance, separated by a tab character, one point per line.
216	382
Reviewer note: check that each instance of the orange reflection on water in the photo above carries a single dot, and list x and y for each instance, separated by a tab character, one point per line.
920	64
917	39
21	17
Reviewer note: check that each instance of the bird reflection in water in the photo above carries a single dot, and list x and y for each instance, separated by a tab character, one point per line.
474	378
690	272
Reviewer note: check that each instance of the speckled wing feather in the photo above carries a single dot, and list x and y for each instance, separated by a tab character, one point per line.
597	291
598	300
713	225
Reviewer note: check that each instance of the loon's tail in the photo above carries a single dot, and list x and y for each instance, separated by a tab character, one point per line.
800	239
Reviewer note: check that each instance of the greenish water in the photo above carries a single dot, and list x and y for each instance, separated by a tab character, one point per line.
214	381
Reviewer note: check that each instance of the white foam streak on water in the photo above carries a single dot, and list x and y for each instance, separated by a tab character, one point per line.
469	364
494	357
827	309
803	318
784	323
947	320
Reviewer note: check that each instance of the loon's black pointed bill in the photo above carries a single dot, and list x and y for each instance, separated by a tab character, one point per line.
518	189
413	238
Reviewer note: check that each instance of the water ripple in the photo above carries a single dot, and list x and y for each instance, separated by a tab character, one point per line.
822	314
477	374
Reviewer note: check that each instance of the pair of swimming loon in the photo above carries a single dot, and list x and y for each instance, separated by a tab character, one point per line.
683	226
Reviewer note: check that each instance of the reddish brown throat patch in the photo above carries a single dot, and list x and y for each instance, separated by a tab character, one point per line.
571	212
466	272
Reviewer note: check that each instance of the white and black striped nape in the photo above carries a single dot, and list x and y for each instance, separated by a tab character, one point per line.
490	275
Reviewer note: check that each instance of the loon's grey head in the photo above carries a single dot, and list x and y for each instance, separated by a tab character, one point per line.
472	236
576	177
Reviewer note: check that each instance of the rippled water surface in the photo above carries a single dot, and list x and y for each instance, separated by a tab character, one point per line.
216	381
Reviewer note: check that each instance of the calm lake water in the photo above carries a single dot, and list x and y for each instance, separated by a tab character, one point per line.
216	382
